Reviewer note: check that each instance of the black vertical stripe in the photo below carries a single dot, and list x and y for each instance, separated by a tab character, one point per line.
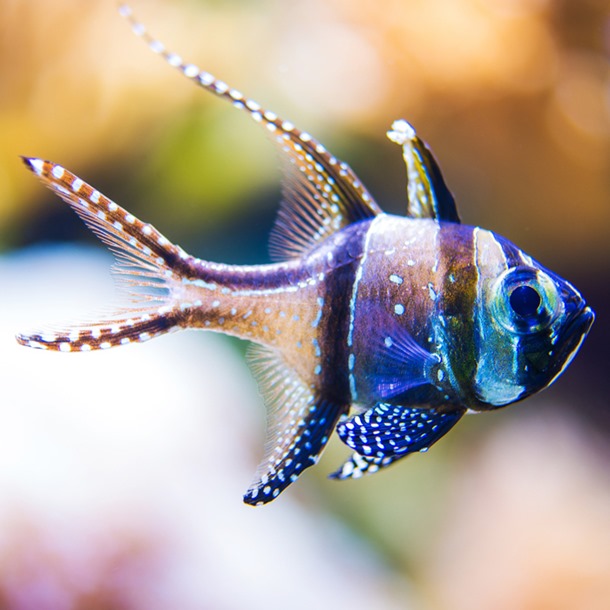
334	324
458	301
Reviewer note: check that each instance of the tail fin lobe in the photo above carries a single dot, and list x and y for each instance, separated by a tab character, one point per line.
127	326
132	241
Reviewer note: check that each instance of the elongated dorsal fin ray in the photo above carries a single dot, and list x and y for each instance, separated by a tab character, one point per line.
427	194
299	425
321	193
147	269
386	433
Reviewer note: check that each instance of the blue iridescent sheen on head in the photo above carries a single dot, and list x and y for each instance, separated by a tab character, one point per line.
531	324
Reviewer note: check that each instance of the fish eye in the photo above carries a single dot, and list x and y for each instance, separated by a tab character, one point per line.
525	300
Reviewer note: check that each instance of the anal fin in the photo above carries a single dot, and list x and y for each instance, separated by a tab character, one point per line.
299	424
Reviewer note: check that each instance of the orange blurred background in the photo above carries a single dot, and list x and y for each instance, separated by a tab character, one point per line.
123	472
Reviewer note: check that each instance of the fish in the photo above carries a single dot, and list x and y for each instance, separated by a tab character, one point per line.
386	329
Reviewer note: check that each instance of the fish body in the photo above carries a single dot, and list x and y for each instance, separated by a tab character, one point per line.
385	328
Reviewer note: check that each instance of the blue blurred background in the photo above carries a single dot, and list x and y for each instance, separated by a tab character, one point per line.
122	471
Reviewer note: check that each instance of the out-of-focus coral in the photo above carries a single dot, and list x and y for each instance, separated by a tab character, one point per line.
527	525
511	94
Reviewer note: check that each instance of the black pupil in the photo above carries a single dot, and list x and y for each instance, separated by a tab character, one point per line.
524	300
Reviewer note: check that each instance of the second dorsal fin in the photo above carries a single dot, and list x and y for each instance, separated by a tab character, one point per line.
321	196
321	193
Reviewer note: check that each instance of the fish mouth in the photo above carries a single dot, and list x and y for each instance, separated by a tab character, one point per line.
573	336
580	324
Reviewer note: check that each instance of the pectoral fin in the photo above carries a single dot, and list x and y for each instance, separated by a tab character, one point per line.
400	364
385	433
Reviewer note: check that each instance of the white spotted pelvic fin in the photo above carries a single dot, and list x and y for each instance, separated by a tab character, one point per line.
321	193
148	268
385	433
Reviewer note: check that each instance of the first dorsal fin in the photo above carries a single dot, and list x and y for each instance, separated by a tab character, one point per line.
427	193
321	193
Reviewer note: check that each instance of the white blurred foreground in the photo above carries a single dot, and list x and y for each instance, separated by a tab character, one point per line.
121	472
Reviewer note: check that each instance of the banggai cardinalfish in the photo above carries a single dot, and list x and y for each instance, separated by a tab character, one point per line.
388	328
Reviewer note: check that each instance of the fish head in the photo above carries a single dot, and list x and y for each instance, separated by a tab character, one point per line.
530	325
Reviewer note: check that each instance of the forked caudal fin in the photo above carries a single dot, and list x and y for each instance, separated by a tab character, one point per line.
148	266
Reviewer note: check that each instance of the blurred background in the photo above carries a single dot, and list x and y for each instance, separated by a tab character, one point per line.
121	472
